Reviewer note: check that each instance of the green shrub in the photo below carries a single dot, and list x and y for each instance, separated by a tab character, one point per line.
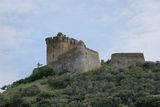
148	101
30	91
3	102
63	72
17	101
43	103
60	81
44	95
40	73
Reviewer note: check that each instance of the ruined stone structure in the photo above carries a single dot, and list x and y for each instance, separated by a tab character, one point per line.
64	53
125	59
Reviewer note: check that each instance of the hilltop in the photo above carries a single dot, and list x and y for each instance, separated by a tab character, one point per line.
134	86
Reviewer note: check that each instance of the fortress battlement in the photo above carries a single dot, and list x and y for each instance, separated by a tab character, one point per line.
61	38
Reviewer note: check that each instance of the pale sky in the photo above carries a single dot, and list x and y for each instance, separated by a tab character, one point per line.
107	26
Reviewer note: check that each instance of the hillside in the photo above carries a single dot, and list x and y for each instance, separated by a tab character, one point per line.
135	86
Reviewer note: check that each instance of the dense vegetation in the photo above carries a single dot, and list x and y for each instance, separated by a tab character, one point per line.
135	86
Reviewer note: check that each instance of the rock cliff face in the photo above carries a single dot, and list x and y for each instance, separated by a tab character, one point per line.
126	59
64	53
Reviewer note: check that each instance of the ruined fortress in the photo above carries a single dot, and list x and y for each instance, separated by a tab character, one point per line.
64	53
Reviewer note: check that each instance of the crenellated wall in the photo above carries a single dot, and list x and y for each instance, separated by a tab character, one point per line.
67	53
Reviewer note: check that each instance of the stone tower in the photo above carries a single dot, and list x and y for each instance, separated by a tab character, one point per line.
59	45
68	53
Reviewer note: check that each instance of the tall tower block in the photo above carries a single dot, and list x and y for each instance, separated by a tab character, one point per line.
58	46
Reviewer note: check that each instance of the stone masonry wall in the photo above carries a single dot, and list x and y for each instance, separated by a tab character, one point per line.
126	59
79	60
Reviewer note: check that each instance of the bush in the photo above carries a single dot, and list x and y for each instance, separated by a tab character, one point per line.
30	91
148	101
40	73
17	101
3	102
62	72
43	95
43	103
59	82
21	81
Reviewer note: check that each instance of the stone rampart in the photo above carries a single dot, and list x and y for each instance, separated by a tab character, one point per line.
126	59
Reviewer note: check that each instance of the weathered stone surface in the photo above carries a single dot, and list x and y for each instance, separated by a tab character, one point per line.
68	53
125	59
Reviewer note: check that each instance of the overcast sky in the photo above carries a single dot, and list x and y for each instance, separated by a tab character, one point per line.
107	26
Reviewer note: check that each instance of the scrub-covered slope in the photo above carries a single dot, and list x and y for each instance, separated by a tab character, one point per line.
135	86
